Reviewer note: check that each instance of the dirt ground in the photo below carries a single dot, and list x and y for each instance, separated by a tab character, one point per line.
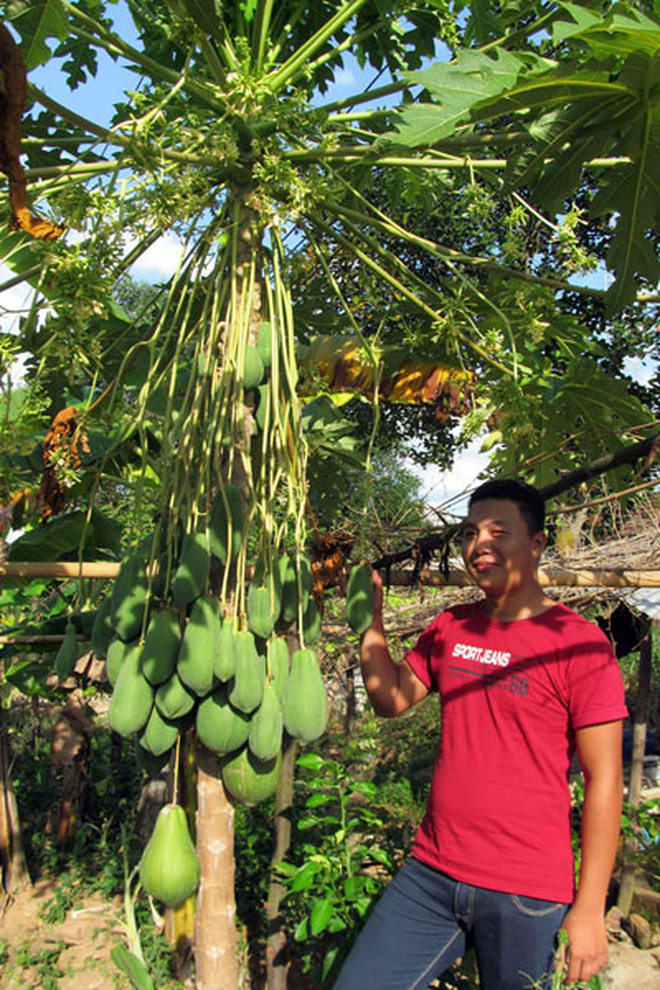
71	955
75	953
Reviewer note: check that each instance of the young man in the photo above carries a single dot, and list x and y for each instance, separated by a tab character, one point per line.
523	683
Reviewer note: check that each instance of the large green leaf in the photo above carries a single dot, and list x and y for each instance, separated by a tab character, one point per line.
619	33
633	192
37	20
557	149
62	536
455	87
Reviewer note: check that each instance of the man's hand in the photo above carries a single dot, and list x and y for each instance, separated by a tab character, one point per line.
586	952
378	594
392	687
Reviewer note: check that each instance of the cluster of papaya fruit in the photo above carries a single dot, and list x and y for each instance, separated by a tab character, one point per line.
172	660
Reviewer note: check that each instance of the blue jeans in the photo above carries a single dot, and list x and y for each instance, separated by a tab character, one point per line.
425	921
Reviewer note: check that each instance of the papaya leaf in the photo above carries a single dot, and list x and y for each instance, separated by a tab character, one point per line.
456	88
618	33
559	144
633	192
35	21
581	19
482	23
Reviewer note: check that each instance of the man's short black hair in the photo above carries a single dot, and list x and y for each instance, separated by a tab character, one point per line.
526	497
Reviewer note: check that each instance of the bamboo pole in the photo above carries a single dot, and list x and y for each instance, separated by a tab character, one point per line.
550	576
59	569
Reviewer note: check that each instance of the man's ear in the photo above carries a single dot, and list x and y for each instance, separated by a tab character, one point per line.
539	543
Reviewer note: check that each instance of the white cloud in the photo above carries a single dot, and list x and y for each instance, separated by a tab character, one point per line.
14	303
641	370
160	261
345	78
449	490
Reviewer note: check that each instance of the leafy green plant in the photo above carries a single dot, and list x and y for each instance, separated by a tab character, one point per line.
642	825
45	961
343	866
54	910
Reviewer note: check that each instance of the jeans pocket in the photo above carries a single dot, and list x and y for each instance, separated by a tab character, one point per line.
534	907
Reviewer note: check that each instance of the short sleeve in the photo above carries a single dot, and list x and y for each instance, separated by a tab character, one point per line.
596	692
420	655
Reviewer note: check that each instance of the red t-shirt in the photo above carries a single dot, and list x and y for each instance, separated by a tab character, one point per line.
511	696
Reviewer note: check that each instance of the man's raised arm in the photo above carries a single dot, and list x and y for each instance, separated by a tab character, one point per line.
392	687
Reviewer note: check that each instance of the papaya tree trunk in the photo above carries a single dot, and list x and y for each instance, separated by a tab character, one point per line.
216	963
640	722
13	865
277	961
216	953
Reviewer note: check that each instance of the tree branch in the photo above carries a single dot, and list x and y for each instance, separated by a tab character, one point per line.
625	455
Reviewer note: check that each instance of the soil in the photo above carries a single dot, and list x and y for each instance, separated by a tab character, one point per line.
85	938
74	954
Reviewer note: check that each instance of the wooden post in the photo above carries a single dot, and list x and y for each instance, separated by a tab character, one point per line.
640	722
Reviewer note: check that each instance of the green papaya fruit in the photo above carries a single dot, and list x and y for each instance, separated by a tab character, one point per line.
264	600
265	344
117	652
132	698
129	597
360	598
311	623
305	703
266	726
278	663
253	368
247	685
159	734
159	576
289	585
224	658
296	580
161	646
226	511
192	575
220	726
173	699
248	779
102	630
67	654
198	646
169	868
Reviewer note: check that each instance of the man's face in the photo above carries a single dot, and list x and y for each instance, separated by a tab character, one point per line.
498	550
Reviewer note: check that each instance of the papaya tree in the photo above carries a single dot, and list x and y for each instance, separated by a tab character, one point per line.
230	140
